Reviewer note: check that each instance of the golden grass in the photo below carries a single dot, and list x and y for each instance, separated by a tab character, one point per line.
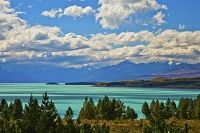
137	126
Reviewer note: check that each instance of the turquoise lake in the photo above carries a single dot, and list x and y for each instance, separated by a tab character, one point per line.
73	95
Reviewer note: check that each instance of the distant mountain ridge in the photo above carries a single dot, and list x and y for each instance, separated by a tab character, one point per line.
124	70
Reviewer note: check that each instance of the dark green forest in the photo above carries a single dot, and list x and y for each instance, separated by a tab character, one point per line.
103	117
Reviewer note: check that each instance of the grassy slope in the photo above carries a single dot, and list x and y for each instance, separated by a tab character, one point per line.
137	126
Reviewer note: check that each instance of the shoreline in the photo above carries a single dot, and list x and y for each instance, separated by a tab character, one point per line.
181	83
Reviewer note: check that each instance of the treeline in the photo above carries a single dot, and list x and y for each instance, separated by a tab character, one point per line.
44	118
157	112
106	109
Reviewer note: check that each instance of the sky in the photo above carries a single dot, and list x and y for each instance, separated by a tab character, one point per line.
75	33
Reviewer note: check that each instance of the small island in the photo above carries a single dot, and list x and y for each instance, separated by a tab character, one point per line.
80	83
52	83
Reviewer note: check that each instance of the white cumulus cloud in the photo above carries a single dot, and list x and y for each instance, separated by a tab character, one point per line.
158	18
22	43
72	11
52	13
112	13
78	11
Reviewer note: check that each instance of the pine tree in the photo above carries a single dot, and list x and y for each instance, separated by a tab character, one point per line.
69	113
88	109
152	105
60	126
86	128
31	116
118	110
10	107
101	129
167	110
130	113
155	110
5	114
17	109
190	109
197	107
70	127
98	110
105	109
145	109
83	114
173	108
91	109
183	107
3	101
48	117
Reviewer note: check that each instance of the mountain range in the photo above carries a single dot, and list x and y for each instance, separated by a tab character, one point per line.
125	70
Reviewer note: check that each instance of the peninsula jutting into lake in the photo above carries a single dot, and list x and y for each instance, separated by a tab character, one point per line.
158	82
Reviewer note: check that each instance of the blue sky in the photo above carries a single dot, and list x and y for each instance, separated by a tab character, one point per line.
72	33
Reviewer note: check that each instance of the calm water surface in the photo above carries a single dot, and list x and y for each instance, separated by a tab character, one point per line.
73	95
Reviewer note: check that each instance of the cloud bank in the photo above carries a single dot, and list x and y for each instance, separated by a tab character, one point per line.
112	13
52	13
21	43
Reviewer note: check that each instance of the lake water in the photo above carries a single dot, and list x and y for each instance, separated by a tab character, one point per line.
73	95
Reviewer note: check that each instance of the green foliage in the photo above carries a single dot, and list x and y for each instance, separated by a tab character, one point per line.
101	129
145	109
118	109
60	126
197	107
110	109
86	128
165	128
31	116
44	118
130	113
5	114
188	109
106	109
69	113
169	110
48	116
185	109
17	109
159	110
88	109
3	101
